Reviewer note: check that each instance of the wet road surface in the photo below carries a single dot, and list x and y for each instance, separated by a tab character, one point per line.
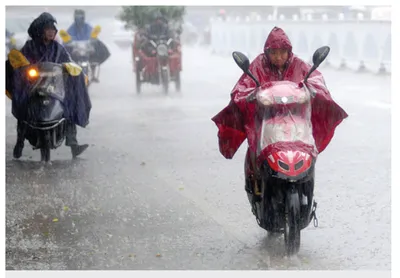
153	191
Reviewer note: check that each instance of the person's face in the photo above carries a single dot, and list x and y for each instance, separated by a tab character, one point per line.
79	19
278	57
49	33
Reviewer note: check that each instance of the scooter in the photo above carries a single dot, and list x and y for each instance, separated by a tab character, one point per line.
45	84
285	154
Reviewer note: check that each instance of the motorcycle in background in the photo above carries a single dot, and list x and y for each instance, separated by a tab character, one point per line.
158	62
81	52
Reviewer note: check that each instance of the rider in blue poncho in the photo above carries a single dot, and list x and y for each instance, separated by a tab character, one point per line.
81	31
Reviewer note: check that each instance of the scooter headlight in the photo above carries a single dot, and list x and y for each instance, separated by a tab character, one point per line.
33	73
162	50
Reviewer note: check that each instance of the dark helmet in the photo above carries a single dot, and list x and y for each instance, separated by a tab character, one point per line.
159	16
37	27
79	16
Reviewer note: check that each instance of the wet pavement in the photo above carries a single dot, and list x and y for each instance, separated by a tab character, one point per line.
153	192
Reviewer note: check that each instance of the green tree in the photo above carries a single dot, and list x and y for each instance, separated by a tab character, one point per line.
138	16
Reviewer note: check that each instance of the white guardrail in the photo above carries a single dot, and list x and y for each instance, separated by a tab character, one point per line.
358	45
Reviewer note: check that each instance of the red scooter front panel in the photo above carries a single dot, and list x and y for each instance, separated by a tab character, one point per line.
289	163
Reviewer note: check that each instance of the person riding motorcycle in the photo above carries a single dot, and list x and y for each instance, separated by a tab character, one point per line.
277	63
42	47
159	27
81	31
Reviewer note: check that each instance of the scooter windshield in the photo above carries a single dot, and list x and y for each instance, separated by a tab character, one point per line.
285	116
46	79
82	48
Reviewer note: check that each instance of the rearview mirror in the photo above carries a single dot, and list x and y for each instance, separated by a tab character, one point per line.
320	55
73	69
96	31
64	36
17	59
243	62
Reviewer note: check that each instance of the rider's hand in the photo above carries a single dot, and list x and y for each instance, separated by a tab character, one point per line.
310	89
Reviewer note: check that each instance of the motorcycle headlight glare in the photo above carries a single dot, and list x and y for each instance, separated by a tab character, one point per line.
162	50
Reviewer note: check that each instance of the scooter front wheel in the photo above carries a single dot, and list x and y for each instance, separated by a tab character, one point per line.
292	223
138	82
45	154
178	82
165	81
